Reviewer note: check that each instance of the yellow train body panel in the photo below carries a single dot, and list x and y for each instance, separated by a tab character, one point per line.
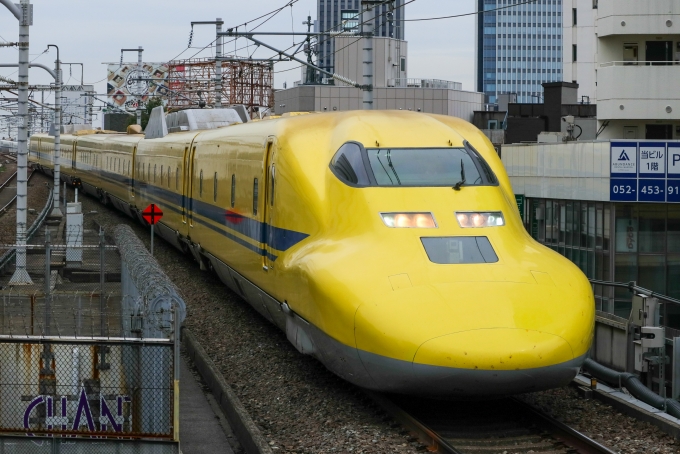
260	204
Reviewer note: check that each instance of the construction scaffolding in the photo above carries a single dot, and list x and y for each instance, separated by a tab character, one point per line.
191	83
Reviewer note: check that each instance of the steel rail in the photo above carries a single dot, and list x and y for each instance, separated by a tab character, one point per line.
571	438
426	435
568	435
2	186
4	209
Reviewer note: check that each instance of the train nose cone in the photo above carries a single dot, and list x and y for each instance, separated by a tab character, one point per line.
495	361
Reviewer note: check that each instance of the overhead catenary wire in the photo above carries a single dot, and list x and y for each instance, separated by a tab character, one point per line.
353	42
470	14
270	14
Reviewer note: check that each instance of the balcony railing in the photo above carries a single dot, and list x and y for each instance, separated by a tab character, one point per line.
642	90
639	63
424	83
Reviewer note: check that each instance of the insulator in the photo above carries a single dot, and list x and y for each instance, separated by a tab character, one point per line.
344	80
191	36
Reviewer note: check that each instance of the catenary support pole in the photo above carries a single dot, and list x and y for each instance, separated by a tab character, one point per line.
82	84
56	211
367	17
139	76
21	276
218	65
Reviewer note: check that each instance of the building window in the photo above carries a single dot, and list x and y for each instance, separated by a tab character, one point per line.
573	52
574	17
350	20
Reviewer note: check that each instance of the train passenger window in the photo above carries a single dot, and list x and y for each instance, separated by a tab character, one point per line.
459	250
233	190
348	164
215	187
200	185
255	195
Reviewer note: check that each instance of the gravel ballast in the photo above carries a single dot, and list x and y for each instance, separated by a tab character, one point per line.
299	406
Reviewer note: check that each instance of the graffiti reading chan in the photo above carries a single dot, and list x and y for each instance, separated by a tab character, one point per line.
78	417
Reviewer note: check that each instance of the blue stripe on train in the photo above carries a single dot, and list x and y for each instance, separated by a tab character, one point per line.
275	237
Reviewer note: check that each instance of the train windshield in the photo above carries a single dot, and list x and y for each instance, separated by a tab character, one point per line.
411	167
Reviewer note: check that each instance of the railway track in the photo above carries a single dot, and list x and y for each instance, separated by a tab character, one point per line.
7	198
505	426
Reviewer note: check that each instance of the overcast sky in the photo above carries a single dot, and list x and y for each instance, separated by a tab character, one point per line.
94	31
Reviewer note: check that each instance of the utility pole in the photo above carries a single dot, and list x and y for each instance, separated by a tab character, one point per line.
139	76
82	84
310	76
218	65
367	30
24	13
218	56
139	79
56	212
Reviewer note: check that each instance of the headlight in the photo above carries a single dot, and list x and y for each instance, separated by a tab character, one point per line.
409	220
481	219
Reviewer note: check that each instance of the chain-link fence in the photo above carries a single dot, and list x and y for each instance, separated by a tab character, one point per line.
89	348
57	445
104	387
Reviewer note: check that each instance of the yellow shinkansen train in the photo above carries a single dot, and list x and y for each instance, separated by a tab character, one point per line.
387	244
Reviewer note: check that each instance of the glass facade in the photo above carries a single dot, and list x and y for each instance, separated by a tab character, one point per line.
615	242
343	15
518	48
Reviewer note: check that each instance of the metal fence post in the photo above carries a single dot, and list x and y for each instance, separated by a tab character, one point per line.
175	316
48	279
102	277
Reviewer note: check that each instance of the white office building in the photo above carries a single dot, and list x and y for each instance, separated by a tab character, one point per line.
625	56
393	89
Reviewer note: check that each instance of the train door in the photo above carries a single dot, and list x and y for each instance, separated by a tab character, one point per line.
187	184
74	148
269	179
132	175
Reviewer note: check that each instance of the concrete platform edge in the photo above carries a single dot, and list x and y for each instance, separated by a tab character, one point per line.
248	434
630	409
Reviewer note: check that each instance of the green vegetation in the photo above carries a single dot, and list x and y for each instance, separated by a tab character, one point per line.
146	112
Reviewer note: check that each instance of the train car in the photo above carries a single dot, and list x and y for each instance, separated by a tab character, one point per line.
386	244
